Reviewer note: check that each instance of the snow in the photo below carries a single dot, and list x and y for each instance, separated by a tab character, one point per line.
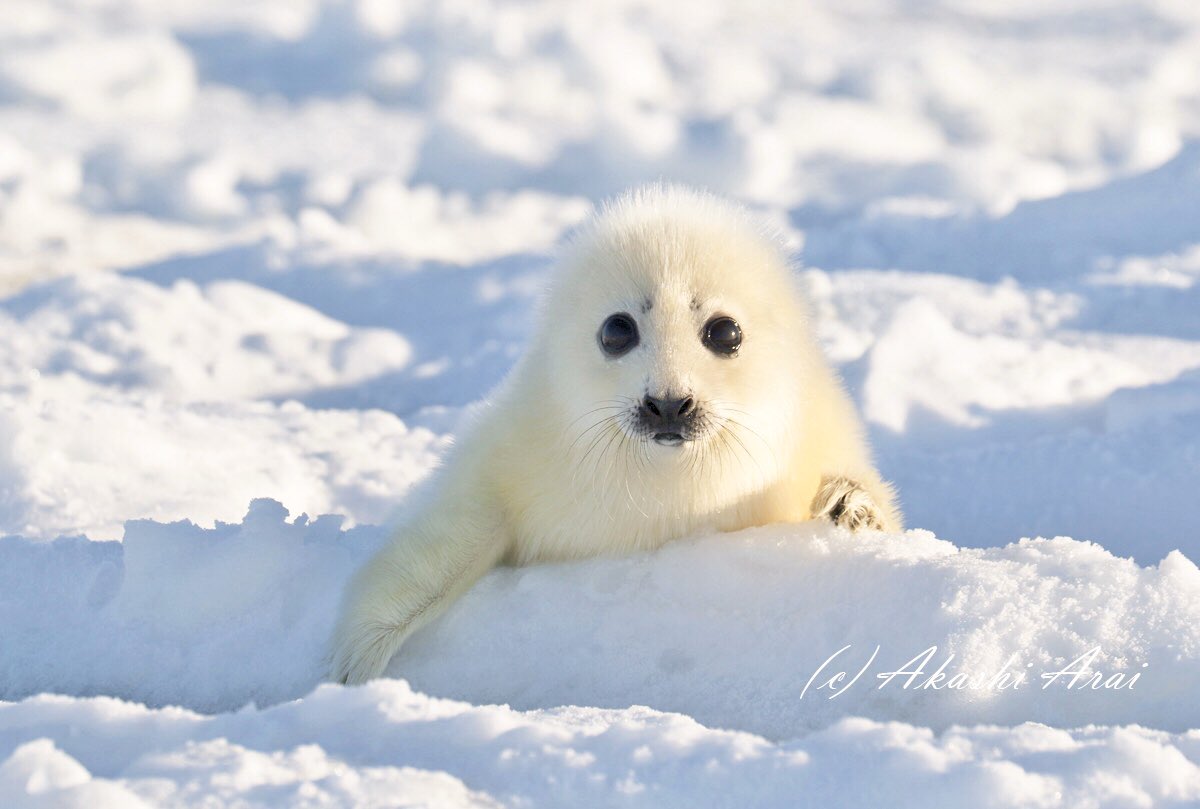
672	630
339	746
258	259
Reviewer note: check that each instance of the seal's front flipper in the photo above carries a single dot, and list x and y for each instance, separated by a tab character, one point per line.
847	503
420	572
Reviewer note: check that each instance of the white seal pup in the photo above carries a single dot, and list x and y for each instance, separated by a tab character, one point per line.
674	386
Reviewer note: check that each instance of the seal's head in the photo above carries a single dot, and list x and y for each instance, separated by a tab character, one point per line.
676	336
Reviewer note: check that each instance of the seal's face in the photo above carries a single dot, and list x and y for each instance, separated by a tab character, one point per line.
679	378
668	417
674	348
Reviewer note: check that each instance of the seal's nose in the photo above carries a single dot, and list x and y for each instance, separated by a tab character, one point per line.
668	410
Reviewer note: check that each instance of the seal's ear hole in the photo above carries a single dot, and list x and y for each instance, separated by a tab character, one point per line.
722	335
618	334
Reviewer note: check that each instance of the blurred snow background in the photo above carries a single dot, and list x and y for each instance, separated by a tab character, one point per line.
272	249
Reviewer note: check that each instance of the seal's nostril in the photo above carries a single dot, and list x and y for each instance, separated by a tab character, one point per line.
667	409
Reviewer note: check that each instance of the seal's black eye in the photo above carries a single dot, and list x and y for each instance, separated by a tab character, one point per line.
723	335
618	335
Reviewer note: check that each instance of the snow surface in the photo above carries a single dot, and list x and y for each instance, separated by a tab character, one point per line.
267	253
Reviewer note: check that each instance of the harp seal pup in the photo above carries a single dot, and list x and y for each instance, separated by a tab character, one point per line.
674	386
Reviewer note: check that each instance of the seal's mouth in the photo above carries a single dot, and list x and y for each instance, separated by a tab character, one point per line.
668	439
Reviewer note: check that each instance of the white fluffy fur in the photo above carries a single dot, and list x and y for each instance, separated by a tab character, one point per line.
552	469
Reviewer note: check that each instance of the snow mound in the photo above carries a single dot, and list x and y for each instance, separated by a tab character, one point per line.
735	630
224	340
104	78
75	462
339	747
731	630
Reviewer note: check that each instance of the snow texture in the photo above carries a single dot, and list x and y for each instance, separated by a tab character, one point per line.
270	252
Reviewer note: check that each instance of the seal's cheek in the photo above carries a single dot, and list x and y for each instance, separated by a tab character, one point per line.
590	381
